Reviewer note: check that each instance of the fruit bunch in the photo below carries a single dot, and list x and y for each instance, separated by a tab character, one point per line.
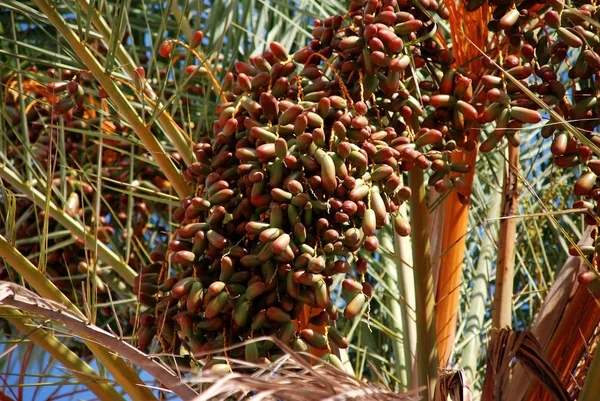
62	107
59	108
552	56
306	158
304	163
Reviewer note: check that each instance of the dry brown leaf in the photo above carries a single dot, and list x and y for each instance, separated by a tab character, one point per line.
507	345
454	384
16	296
291	378
555	325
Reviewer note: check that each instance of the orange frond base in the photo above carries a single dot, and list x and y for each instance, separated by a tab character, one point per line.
303	322
571	342
472	25
456	216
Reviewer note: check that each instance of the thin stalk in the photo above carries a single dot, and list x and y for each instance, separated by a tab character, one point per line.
479	295
393	302
121	371
171	129
74	226
425	302
130	206
82	371
406	277
122	104
22	106
92	294
406	289
503	292
437	205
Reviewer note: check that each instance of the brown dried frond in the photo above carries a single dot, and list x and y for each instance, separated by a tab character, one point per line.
291	378
507	345
454	384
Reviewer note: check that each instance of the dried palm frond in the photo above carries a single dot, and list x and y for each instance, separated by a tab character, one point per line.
291	378
537	363
507	345
573	339
560	294
454	384
18	297
500	352
564	327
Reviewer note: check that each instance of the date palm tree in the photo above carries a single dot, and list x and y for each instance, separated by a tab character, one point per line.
481	284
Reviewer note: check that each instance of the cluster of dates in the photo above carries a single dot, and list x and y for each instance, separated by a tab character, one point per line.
303	165
554	53
58	109
306	158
